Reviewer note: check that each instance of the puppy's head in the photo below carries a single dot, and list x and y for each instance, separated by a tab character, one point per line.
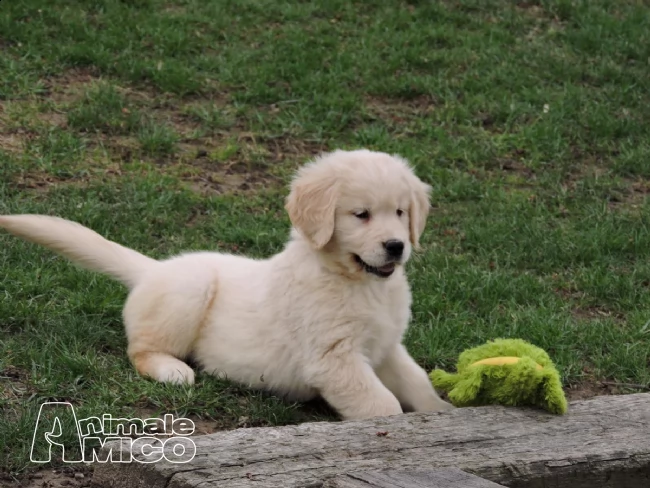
363	210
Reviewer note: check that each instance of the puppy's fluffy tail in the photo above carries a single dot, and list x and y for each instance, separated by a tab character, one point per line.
80	245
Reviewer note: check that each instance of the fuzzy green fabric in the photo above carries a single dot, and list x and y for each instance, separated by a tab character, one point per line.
516	384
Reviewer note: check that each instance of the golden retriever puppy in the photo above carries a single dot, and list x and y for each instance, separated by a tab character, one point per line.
325	316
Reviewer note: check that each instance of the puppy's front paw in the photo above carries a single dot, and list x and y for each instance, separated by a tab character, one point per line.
443	406
432	403
382	406
384	410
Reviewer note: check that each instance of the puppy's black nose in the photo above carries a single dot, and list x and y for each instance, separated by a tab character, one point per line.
394	248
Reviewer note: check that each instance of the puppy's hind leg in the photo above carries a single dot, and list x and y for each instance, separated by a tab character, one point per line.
162	367
163	318
157	341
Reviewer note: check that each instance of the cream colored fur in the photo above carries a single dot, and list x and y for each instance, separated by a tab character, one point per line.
309	321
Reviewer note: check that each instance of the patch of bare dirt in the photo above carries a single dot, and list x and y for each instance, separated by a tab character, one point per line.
64	477
589	389
545	19
516	167
593	388
40	181
591	313
570	294
216	165
635	193
630	194
287	148
10	142
13	384
174	9
595	313
593	167
69	86
12	138
211	160
46	110
248	167
399	110
586	164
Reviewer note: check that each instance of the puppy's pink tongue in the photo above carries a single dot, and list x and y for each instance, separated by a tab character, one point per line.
387	268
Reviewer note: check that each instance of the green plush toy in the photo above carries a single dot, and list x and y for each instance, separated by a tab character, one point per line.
504	371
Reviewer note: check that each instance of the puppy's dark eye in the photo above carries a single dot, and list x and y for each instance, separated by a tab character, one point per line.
400	212
365	215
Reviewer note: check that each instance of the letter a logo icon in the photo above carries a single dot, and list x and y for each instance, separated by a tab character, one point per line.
56	428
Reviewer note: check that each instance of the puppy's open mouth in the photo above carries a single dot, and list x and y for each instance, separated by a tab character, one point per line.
382	271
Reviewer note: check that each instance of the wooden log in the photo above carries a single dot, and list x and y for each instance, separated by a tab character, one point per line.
600	443
439	478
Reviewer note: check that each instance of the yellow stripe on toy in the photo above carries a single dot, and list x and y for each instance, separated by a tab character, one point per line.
500	361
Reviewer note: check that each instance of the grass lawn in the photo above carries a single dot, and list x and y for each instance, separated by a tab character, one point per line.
175	125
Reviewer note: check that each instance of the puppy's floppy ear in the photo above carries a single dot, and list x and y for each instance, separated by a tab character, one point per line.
311	204
418	209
